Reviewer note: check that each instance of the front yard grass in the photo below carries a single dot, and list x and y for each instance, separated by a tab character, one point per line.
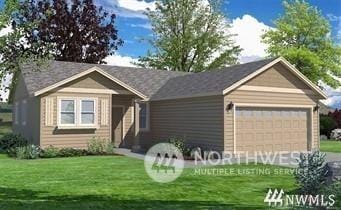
118	182
330	146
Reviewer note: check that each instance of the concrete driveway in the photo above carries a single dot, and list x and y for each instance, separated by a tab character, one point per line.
285	160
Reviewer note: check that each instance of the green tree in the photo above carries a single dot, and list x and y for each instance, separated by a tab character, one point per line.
5	14
302	36
189	35
63	30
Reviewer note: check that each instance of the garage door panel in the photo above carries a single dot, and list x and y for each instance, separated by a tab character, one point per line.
271	129
259	124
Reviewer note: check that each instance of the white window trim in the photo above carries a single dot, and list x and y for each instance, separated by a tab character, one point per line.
24	112
59	112
77	112
147	128
80	111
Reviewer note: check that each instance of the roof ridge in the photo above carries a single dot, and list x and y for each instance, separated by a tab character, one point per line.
179	72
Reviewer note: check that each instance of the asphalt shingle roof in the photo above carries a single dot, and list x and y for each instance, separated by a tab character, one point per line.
155	84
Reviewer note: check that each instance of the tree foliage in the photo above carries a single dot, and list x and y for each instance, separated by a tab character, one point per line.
75	30
327	124
5	15
189	36
336	115
63	30
302	36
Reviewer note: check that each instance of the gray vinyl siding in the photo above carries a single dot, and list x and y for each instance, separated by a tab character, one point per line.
30	130
198	120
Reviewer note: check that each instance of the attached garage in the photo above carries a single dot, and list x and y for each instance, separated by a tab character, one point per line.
264	129
275	109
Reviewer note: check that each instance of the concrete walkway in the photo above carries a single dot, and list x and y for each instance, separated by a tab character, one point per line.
274	161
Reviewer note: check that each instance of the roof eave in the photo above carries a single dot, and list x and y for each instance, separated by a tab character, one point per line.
88	71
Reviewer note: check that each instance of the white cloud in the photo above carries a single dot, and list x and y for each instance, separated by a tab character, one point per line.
119	60
334	18
334	95
4	93
127	8
135	5
145	25
248	32
6	30
7	79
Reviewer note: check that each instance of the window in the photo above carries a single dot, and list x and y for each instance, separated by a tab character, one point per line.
144	116
67	112
88	112
77	112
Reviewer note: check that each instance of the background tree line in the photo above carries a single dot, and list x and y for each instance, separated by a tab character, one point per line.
188	35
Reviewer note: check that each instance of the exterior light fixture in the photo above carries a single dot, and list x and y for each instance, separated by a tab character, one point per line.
229	106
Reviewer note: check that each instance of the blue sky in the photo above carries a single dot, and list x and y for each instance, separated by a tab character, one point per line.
133	27
256	15
249	19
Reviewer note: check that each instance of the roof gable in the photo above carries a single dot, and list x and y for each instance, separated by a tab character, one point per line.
156	84
278	76
86	72
287	66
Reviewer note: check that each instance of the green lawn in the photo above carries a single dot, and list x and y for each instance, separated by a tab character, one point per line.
330	146
116	182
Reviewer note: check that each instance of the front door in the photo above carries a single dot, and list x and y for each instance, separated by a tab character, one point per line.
117	126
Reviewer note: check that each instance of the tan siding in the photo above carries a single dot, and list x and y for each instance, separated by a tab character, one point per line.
278	76
77	138
256	97
126	101
198	120
94	81
316	130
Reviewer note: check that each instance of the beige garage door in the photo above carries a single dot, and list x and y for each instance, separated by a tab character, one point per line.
271	129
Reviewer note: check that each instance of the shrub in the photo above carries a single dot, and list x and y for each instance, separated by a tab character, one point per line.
180	144
11	140
97	146
28	152
310	174
109	149
71	152
334	189
49	152
327	124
